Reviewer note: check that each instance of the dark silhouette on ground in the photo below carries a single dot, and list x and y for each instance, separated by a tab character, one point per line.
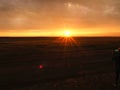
116	58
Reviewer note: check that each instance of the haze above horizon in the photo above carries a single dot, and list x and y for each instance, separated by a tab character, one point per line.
54	17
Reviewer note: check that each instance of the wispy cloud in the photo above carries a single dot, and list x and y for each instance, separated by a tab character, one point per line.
32	14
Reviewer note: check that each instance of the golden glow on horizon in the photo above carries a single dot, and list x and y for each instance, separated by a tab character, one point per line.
61	32
67	34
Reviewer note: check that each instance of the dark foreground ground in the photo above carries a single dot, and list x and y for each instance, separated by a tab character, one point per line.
82	64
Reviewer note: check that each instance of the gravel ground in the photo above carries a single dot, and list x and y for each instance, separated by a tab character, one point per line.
102	81
92	56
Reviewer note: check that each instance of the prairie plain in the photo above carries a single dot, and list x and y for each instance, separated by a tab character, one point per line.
83	63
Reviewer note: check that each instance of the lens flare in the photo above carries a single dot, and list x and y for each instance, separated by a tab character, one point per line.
41	66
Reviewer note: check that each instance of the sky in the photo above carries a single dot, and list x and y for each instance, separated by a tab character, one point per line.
53	17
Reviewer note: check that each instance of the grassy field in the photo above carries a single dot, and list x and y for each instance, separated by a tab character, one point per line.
83	64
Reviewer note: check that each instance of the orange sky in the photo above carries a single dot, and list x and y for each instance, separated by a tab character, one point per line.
61	32
53	17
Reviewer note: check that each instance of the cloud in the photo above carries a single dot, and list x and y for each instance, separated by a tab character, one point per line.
42	14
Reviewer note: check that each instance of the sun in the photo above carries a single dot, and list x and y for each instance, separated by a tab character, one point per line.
67	34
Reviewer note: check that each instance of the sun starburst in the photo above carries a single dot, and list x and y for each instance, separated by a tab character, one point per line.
67	34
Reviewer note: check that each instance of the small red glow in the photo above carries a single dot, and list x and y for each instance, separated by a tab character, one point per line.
41	66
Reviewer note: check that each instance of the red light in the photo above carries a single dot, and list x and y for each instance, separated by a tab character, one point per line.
41	66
